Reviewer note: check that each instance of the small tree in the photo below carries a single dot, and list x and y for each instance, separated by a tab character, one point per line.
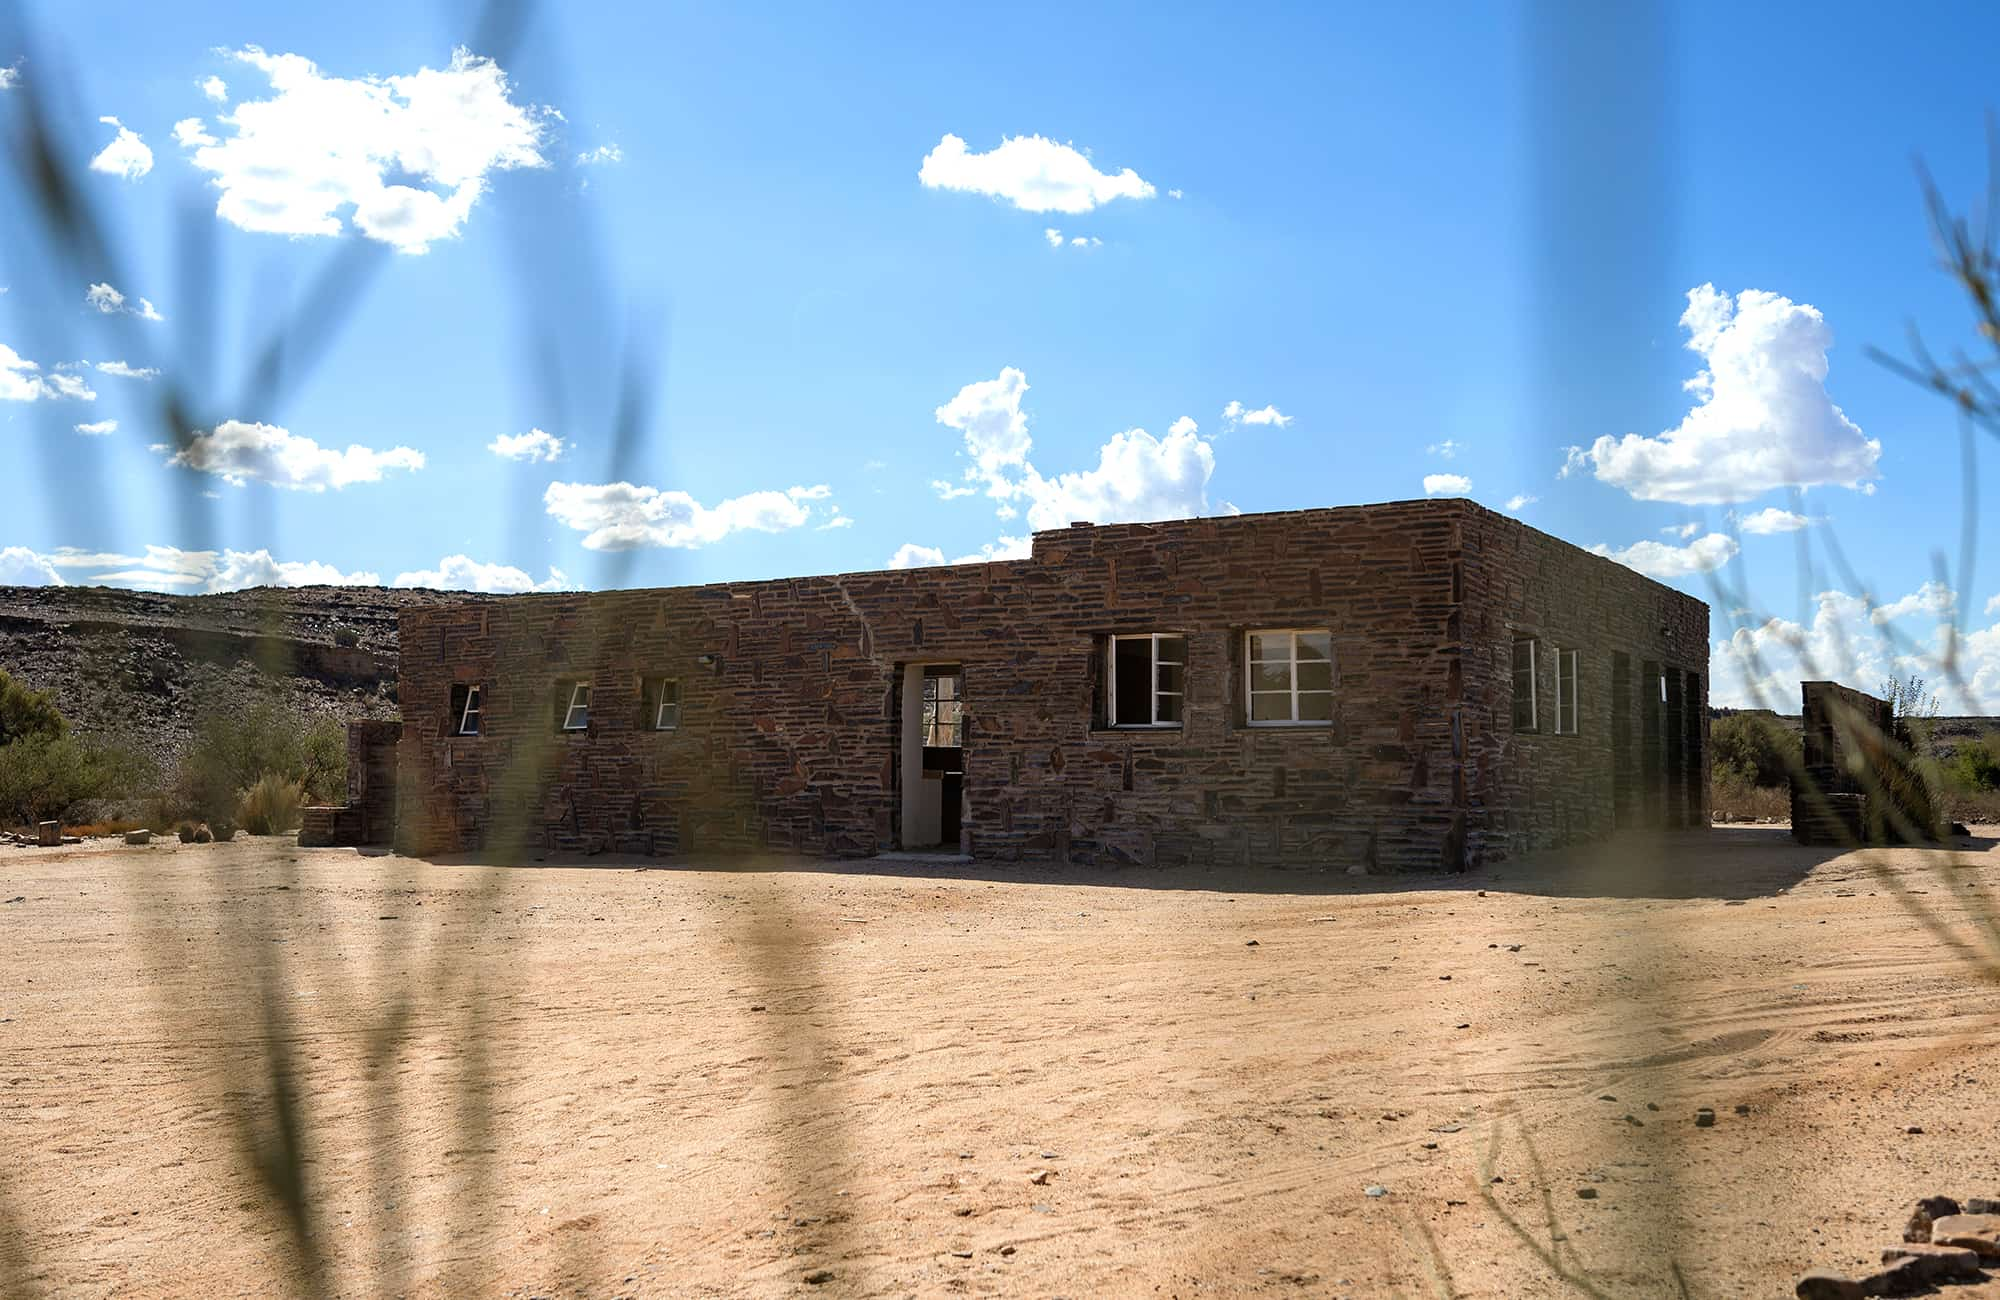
26	713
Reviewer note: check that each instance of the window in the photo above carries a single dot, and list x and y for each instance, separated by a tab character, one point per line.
944	714
1288	677
576	714
1566	701
465	709
1147	679
660	704
1524	686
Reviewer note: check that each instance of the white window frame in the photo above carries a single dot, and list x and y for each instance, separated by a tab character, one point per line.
1153	696
660	722
1534	645
570	720
1568	714
1291	635
471	711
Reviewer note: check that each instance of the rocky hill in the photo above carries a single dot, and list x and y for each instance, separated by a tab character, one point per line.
142	666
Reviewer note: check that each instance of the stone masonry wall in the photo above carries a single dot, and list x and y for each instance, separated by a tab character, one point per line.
1540	789
790	740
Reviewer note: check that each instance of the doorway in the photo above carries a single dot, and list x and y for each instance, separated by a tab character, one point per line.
933	756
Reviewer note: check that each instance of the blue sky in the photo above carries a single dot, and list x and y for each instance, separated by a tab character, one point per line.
1414	248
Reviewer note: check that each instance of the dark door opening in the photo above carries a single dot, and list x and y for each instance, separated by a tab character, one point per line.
1622	777
933	766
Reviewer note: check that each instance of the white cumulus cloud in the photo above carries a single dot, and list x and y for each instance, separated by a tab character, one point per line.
1519	502
98	427
534	445
120	370
126	155
1773	520
463	573
111	302
239	451
170	568
1659	560
1138	477
1446	485
1236	414
1030	172
1848	640
1762	418
21	567
10	76
912	556
405	158
215	88
601	156
1447	449
21	380
622	516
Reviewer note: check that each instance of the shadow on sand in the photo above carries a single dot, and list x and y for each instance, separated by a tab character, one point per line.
1728	862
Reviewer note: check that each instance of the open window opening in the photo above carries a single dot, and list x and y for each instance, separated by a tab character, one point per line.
1526	714
1146	679
660	704
465	709
1566	692
576	712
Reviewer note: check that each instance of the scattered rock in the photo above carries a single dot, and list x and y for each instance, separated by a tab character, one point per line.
1928	1211
1652	1105
821	1276
1606	1097
1006	1250
1978	1205
756	1006
1586	1193
1051	1155
1252	943
961	1254
1040	1177
1742	1109
20	898
1824	1284
138	837
1975	1232
1704	1117
1635	1121
1914	1129
1935	1263
1376	1189
1897	1277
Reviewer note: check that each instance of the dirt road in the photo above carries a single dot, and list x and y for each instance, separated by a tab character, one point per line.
920	1080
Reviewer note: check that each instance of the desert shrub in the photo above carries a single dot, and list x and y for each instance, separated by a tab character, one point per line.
234	749
27	714
1734	797
45	777
1976	766
1751	749
185	832
271	806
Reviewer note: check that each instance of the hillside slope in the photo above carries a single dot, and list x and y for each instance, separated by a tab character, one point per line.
141	666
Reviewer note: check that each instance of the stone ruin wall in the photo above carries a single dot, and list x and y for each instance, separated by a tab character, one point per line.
789	737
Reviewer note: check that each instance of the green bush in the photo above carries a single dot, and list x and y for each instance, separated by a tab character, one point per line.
1750	749
28	714
271	807
44	777
235	749
1976	765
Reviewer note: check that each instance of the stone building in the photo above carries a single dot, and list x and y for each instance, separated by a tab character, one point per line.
1410	686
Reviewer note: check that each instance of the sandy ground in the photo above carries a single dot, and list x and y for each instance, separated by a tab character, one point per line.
924	1080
